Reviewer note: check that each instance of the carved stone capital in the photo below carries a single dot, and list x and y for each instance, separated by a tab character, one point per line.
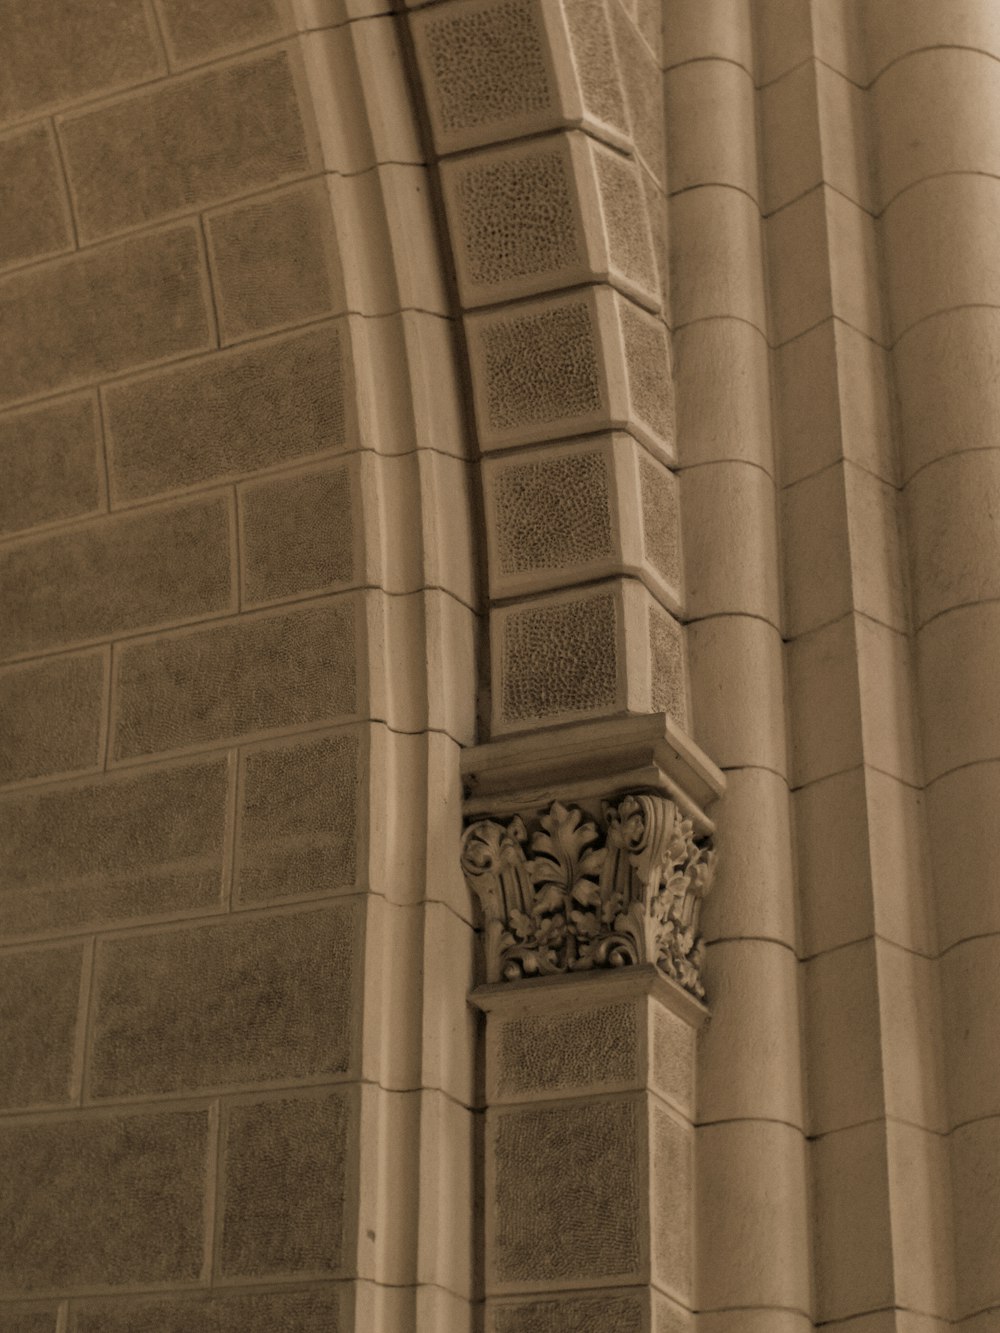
567	891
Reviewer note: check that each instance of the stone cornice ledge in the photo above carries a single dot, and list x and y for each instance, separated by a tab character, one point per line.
591	760
556	994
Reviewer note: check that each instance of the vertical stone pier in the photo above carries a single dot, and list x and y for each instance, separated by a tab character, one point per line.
593	1001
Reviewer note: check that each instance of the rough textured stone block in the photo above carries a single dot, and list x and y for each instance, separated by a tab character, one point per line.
255	674
672	1058
102	1200
671	1175
660	520
323	1310
29	1319
49	460
100	312
50	716
517	219
647	364
537	369
550	512
487	71
559	1054
32	201
252	1001
594	57
184	143
642	84
274	260
117	574
300	817
131	845
605	649
624	1312
86	48
564	1193
298	534
560	658
287	1194
628	234
39	993
197	29
232	413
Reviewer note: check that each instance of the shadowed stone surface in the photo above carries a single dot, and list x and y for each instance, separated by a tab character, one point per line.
232	413
251	675
50	716
571	1314
286	1191
58	50
102	1200
117	574
185	143
250	1001
133	845
28	1320
49	461
321	1311
299	818
272	260
35	218
196	29
39	992
298	535
100	312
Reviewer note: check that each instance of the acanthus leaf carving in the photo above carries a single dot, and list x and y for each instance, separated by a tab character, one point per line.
570	895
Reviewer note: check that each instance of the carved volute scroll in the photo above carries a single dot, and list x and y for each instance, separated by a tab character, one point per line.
568	895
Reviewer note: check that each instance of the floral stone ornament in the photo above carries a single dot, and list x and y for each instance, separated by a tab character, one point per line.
569	896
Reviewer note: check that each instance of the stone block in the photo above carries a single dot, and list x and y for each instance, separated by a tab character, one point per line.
753	1217
592	1048
580	511
737	693
740	574
963	803
948	385
818	565
288	1187
690	32
958	686
39	995
302	817
320	1310
87	50
197	30
723	397
113	848
565	1194
971	1010
717	257
253	1001
107	578
274	261
51	716
853	1235
184	143
548	213
102	311
595	652
568	365
711	126
672	1201
487	70
102	1200
976	1185
258	673
638	77
234	412
597	59
623	1311
835	872
36	216
29	1319
300	534
954	542
938	238
825	702
50	458
845	1057
749	1059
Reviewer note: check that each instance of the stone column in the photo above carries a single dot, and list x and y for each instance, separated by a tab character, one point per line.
593	1001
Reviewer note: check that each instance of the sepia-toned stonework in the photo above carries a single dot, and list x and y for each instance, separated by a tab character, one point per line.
499	714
